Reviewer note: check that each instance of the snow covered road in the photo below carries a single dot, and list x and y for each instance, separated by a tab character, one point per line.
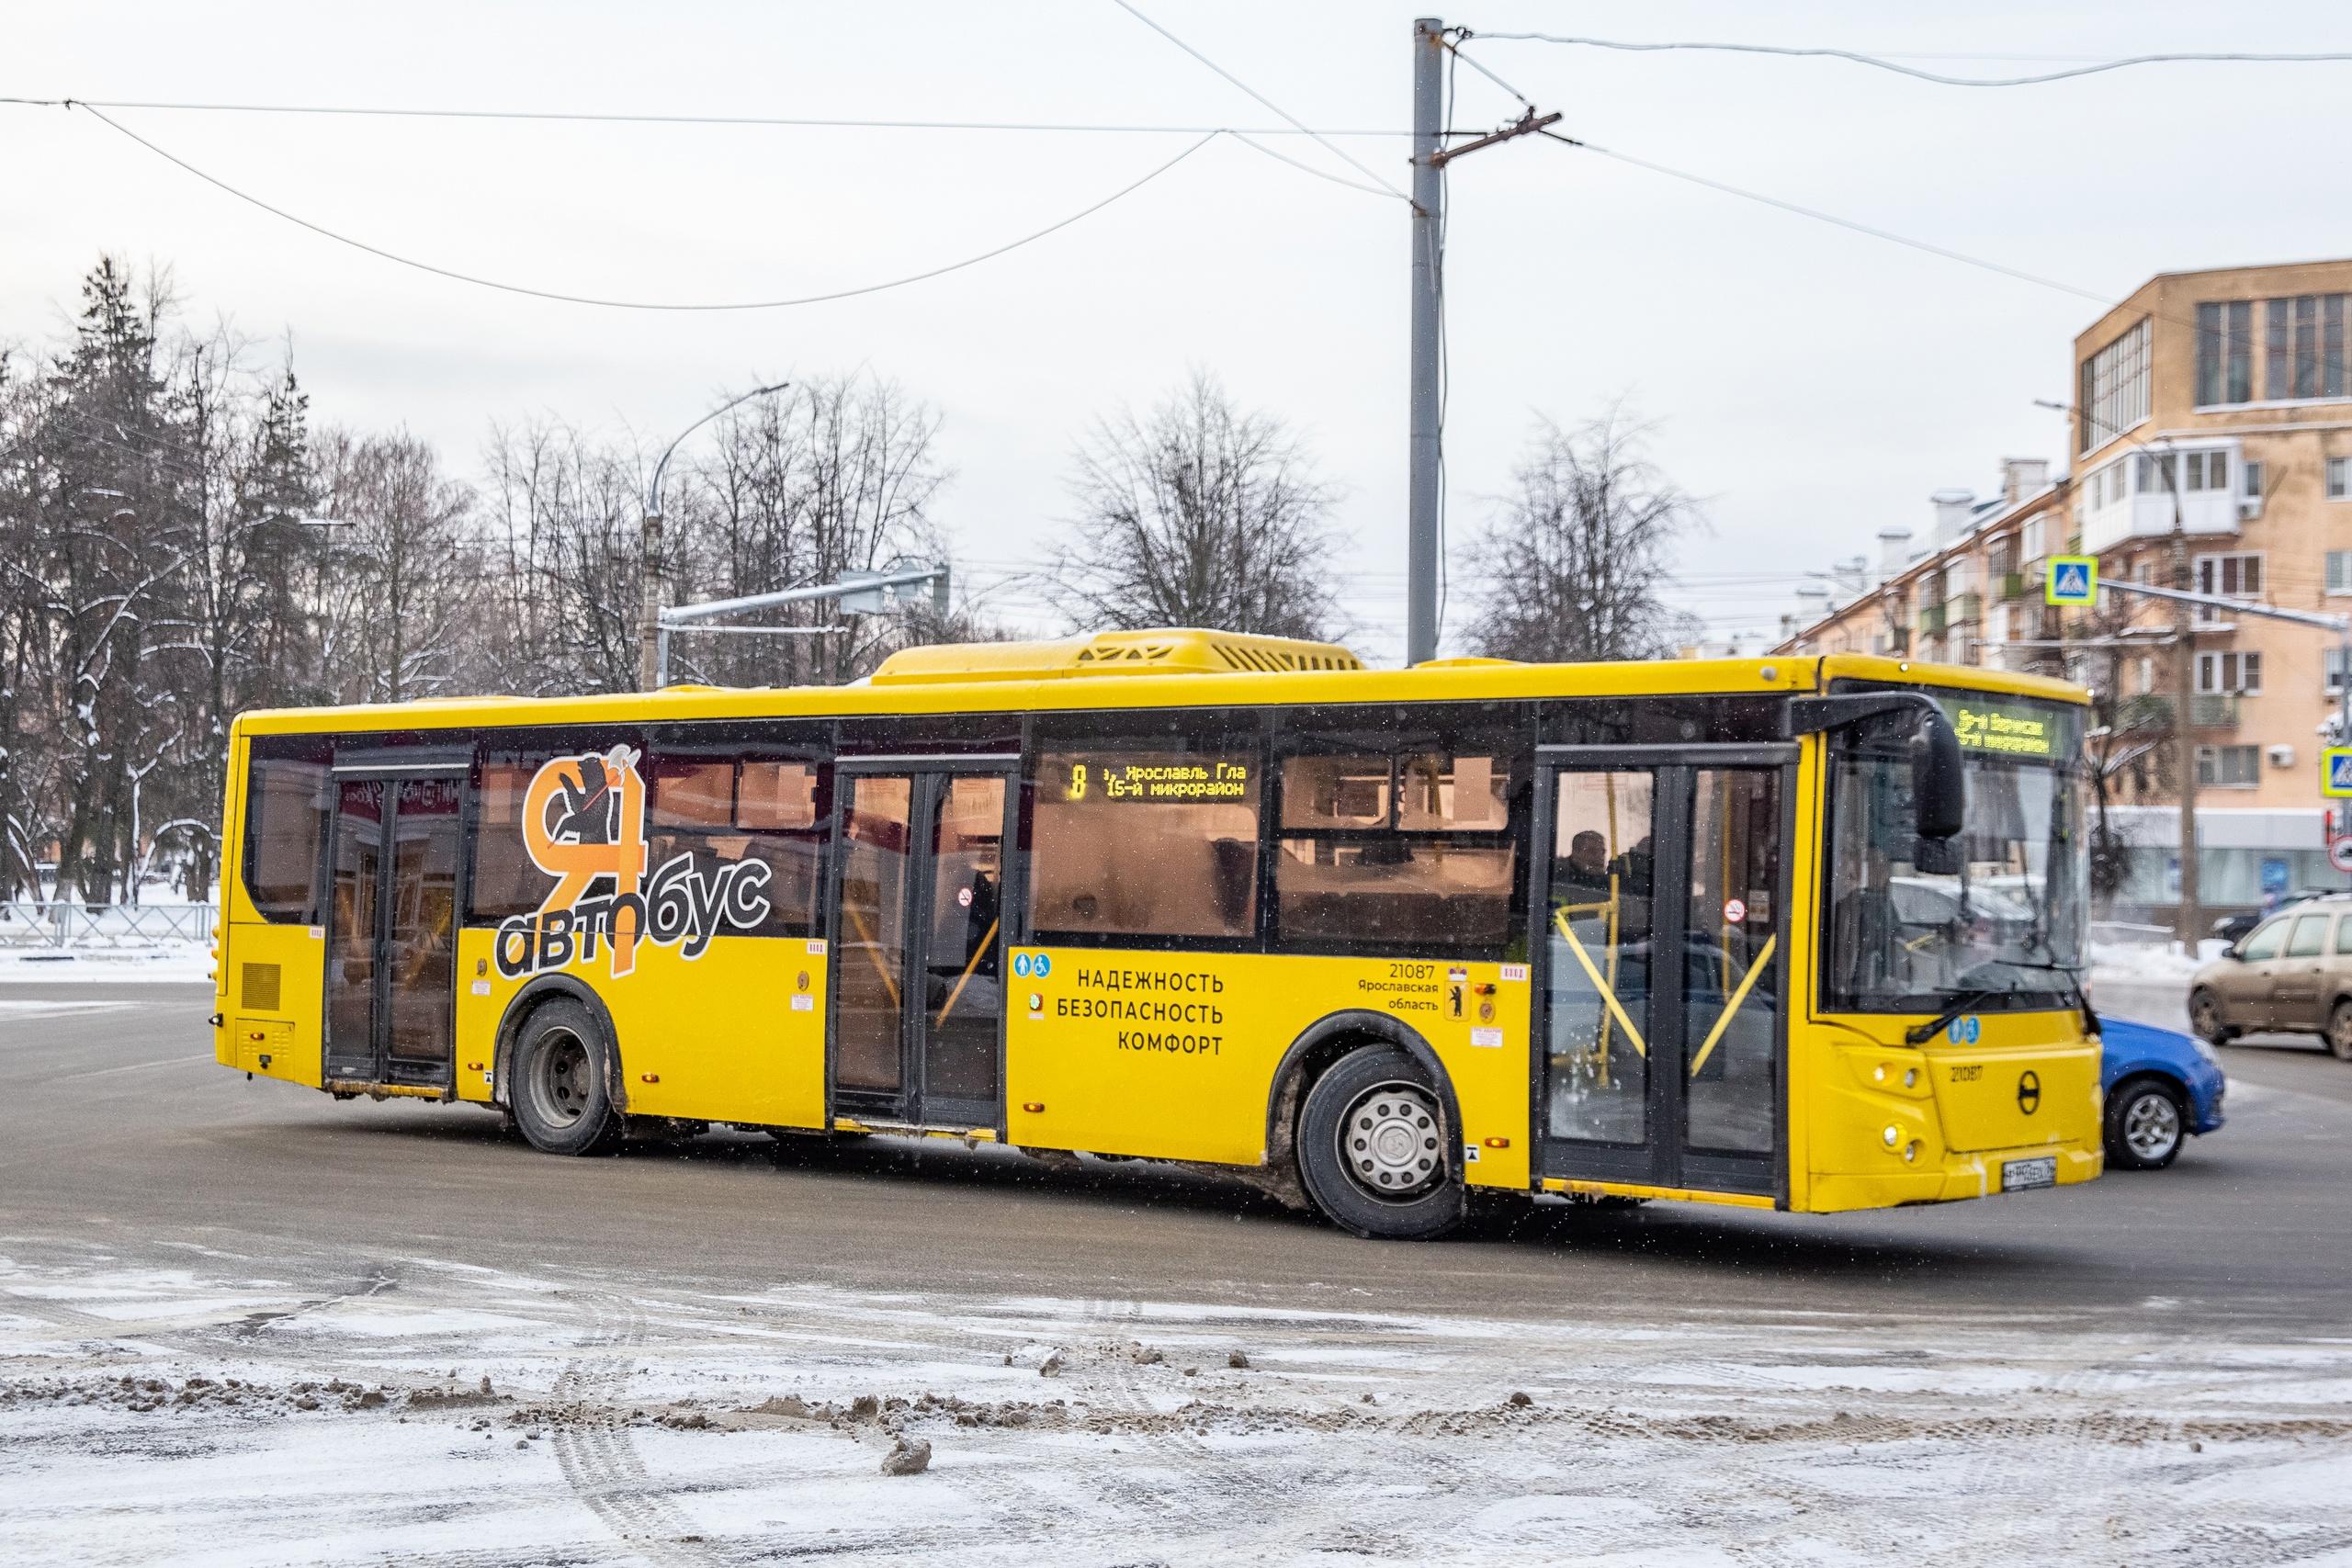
195	1408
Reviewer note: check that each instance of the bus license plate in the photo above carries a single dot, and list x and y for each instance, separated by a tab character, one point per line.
2017	1175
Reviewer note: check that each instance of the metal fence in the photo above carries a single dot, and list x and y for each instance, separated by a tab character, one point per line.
61	924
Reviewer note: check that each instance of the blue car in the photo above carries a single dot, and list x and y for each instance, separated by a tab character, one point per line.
2161	1086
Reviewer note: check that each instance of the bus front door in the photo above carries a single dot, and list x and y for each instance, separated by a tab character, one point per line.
1660	956
917	1004
391	928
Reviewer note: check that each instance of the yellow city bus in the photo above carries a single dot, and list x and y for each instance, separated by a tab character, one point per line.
1789	933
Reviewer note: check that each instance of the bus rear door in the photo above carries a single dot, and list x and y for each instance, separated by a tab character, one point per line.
393	920
1659	962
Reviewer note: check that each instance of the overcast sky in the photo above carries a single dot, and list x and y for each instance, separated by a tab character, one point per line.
1812	383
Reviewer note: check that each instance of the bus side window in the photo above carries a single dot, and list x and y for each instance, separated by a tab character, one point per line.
287	805
505	880
1146	838
726	810
1412	848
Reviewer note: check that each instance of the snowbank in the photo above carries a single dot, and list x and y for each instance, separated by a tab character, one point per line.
179	963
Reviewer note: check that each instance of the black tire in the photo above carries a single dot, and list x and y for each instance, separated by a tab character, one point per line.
2146	1124
557	1086
2205	1017
2338	1032
1396	1182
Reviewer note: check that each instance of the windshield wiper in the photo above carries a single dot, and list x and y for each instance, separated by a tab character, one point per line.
2074	982
1920	1034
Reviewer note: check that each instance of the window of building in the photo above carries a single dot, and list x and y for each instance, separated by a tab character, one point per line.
1412	848
2229	767
2250	481
2114	394
2030	539
2225	352
2302	346
2231	671
2230	577
2206	471
2339	572
2339	478
1155	838
2332	669
288	800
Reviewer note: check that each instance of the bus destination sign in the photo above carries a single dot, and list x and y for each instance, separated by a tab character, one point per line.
2010	731
1158	781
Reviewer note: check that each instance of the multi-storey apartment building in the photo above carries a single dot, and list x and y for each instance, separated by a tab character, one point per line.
2213	413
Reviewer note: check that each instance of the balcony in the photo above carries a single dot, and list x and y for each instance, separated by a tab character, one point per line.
2147	516
1931	621
2012	586
2213	710
1966	609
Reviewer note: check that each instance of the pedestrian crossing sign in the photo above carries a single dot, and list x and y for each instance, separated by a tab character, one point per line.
2336	773
2073	579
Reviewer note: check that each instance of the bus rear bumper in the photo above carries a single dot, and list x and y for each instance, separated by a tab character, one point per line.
1982	1175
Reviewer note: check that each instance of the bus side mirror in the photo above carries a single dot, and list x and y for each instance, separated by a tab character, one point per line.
1939	791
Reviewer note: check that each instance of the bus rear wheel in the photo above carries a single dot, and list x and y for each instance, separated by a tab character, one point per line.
559	1097
1373	1145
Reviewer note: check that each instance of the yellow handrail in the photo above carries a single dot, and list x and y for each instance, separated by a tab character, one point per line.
1609	998
1739	995
966	978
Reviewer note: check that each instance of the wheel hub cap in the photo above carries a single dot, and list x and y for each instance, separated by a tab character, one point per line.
1389	1142
2151	1126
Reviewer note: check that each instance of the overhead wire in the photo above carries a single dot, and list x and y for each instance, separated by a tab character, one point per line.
1818	216
603	118
1263	101
562	296
1882	62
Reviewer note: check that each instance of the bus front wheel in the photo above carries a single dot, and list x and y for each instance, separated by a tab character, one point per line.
559	1097
1373	1145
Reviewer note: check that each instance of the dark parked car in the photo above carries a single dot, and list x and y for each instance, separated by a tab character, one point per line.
2232	928
2161	1087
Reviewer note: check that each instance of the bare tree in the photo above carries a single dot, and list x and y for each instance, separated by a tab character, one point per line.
1582	550
560	550
833	476
1198	514
395	604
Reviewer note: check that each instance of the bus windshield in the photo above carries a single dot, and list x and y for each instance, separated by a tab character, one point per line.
1997	918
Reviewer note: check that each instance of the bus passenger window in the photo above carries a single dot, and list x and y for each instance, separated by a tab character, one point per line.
286	821
1146	840
505	880
1413	850
692	792
723	811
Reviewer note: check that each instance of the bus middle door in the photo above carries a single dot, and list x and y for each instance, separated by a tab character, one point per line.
917	991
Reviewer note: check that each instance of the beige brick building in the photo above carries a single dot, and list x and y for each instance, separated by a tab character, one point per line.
2222	400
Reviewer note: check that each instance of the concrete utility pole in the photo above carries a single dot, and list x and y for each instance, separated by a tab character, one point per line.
1429	158
1421	480
2184	675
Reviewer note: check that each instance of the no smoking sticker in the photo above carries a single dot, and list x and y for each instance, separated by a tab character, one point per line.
1735	911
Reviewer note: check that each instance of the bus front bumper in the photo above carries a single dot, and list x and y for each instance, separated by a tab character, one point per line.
1988	1174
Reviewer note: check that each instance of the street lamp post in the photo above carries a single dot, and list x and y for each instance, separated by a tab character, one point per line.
648	618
